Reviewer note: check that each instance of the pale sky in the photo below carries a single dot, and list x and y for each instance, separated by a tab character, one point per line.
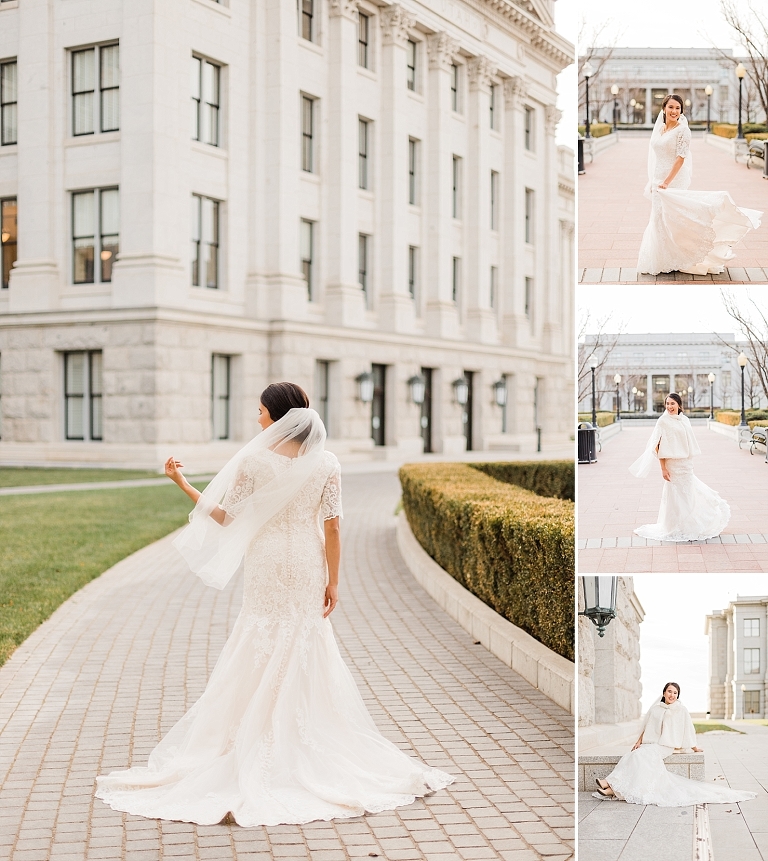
657	308
566	22
673	646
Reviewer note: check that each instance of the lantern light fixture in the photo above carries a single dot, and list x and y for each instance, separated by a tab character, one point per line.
500	392
461	391
599	601
418	387
365	387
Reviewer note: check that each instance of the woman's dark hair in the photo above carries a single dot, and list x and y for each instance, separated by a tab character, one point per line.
278	398
674	395
670	685
669	98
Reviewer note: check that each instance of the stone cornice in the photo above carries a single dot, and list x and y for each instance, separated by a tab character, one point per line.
395	24
542	37
443	50
343	9
514	91
480	72
552	117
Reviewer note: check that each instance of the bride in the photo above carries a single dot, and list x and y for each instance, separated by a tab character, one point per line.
689	231
640	776
689	511
281	734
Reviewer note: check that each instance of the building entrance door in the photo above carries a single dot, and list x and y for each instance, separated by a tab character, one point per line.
660	391
377	406
466	416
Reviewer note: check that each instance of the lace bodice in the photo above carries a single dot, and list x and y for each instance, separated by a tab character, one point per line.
667	148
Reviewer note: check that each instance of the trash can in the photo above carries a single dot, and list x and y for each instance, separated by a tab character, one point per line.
581	156
587	443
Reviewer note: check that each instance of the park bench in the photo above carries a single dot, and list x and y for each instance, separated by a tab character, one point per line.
756	151
759	436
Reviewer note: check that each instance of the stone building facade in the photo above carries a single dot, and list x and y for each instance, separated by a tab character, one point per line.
609	666
202	197
738	650
656	364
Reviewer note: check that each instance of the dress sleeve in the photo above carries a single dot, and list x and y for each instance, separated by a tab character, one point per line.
240	489
683	143
330	505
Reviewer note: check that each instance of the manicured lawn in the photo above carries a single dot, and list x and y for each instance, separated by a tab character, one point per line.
709	726
52	544
20	476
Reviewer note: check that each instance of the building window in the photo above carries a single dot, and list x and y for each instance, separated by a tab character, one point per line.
220	389
95	70
494	287
410	53
456	197
362	263
95	234
751	627
362	158
529	142
529	231
307	134
529	298
455	88
504	418
82	395
363	31
307	13
751	702
307	240
322	386
378	405
493	112
456	279
8	237
413	156
751	661
205	242
8	106
413	269
206	85
494	200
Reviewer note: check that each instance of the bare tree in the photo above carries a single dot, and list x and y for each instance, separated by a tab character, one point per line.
597	47
753	323
598	345
752	388
752	29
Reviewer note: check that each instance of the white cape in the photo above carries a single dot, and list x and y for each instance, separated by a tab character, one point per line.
674	437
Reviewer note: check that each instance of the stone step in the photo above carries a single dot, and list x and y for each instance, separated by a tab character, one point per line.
597	766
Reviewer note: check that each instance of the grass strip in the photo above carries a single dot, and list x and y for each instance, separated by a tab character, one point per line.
710	727
28	476
51	545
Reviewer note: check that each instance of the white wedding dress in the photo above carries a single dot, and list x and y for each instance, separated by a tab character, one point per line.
689	231
689	510
281	734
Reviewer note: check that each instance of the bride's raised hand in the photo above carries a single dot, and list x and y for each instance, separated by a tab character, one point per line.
173	469
331	599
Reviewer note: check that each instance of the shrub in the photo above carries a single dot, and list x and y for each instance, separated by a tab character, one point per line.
725	130
603	419
727	417
756	136
753	128
758	423
597	130
553	478
511	548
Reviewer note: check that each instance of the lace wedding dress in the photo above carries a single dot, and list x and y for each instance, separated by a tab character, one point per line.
689	231
281	734
640	777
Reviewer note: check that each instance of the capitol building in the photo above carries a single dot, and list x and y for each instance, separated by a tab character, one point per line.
199	198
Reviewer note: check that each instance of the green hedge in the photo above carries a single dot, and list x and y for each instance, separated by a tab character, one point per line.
603	418
597	130
511	548
553	478
730	130
733	417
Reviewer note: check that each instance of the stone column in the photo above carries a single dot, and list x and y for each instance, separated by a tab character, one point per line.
442	320
396	310
552	330
480	319
730	668
36	277
512	280
649	394
344	300
650	119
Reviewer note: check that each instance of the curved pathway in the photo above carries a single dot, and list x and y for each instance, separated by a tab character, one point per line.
97	685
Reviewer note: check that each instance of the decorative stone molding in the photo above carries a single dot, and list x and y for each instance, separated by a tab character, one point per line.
552	117
514	91
443	50
395	24
343	9
480	72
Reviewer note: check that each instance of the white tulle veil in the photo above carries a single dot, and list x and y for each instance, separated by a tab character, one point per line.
685	171
215	552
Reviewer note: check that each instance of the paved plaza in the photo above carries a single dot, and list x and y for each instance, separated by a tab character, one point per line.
615	831
613	213
97	686
612	503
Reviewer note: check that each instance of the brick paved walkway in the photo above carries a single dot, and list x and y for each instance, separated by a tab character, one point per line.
612	504
613	212
97	686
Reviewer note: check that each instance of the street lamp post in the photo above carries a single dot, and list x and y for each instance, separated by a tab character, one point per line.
593	365
740	72
742	364
614	93
617	380
711	379
708	90
587	71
